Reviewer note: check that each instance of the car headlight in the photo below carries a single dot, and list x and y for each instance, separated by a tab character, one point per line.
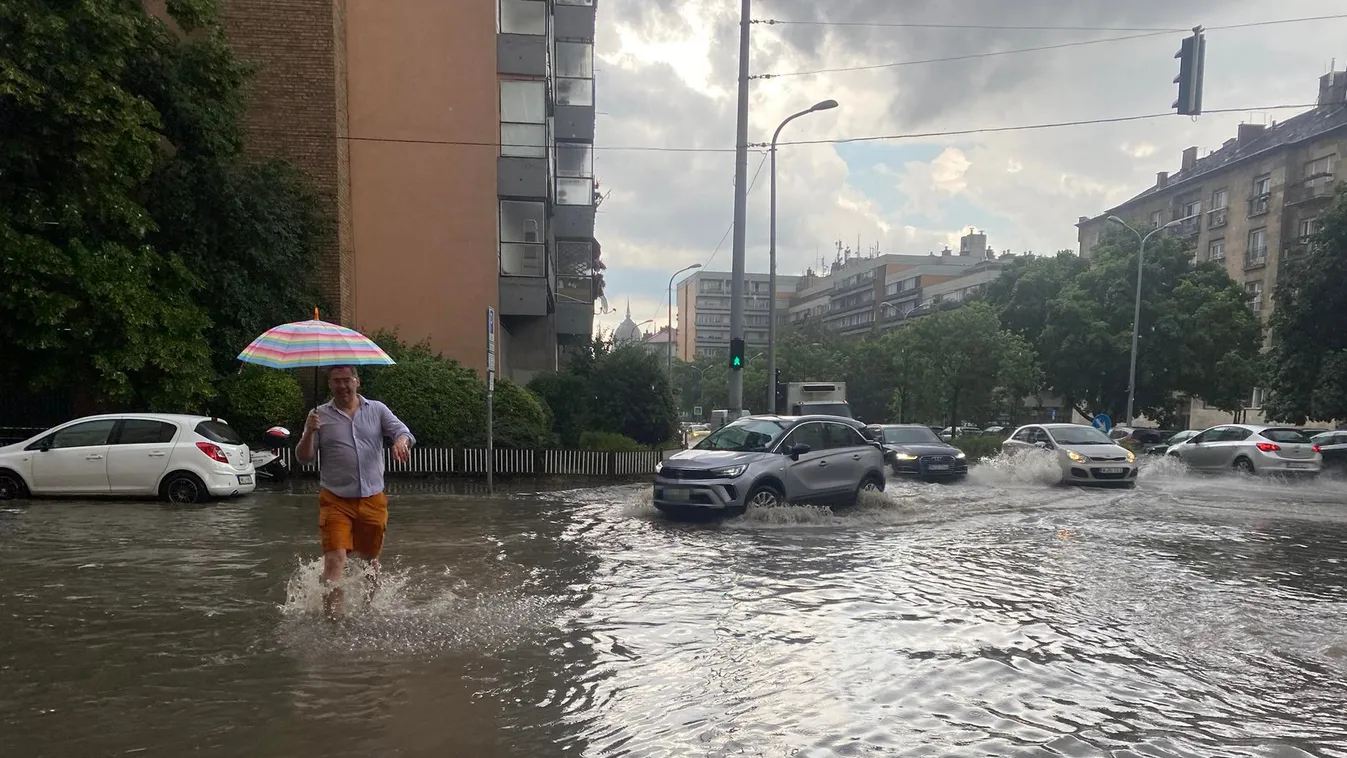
961	454
1077	457
729	472
1131	457
905	456
659	466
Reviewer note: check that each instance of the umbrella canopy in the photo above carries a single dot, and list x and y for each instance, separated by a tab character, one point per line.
310	343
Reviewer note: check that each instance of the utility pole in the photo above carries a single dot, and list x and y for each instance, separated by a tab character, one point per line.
736	387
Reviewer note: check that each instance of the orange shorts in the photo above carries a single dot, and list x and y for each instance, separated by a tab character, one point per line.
352	524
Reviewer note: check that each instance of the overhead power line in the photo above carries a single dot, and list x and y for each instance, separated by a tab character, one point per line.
998	27
1014	51
1027	127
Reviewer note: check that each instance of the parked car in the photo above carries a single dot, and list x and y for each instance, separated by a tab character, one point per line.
914	450
1139	436
994	431
1163	447
183	459
1332	447
949	432
1250	449
769	460
1086	455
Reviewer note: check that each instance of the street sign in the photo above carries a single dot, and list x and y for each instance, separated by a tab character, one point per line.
1103	423
490	349
490	393
1054	413
697	411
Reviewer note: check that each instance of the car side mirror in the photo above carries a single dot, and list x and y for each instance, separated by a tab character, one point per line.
44	446
798	450
1042	445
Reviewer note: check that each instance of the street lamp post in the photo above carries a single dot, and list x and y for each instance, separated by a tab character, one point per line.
670	324
1136	311
771	265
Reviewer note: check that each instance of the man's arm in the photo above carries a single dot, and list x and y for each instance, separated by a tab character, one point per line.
394	429
307	448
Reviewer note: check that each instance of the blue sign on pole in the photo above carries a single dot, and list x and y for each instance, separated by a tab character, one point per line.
1054	413
1103	423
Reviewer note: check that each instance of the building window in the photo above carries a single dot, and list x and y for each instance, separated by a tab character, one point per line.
523	119
523	17
1320	168
1157	218
575	2
1256	254
575	172
1254	290
1259	194
1259	395
1216	250
1191	209
1306	229
521	239
574	66
1220	199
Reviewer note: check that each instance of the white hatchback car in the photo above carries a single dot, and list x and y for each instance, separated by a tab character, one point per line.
1086	455
183	459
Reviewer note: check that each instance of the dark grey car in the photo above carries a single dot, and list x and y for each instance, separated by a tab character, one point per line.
769	460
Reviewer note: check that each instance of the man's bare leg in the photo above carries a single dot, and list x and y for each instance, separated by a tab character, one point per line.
334	563
371	577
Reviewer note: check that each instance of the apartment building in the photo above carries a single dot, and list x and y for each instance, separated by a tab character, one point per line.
704	312
1248	205
452	147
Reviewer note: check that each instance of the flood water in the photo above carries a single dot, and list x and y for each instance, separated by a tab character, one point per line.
1193	616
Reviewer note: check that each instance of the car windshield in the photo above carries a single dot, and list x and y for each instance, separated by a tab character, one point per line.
1283	435
1079	435
745	436
910	435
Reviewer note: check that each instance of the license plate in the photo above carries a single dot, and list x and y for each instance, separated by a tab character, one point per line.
245	478
1297	465
938	467
1111	470
677	493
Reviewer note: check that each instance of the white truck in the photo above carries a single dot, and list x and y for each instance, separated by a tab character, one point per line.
809	398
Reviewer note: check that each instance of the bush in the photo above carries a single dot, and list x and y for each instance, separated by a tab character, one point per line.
632	397
568	396
977	448
609	442
444	403
257	399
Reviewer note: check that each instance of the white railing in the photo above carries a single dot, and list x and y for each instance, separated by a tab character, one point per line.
444	461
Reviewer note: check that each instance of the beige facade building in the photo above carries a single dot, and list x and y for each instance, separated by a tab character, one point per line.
1248	205
452	146
703	303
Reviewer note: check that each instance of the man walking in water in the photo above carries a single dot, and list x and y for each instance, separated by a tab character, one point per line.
349	431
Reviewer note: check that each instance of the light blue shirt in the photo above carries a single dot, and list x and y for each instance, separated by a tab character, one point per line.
351	448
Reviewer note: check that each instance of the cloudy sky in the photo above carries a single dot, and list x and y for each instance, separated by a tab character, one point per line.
665	77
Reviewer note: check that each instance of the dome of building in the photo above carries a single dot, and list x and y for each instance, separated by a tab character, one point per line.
627	331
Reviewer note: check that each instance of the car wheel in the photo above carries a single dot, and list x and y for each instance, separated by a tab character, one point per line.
11	486
1244	466
764	496
870	483
183	487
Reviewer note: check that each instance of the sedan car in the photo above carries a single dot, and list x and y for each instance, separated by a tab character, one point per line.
916	451
769	460
1086	455
1250	449
184	459
1333	447
1164	446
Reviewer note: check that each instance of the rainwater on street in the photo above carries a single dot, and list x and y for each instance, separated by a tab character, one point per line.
1194	616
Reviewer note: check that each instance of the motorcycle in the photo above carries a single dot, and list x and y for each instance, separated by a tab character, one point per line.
267	461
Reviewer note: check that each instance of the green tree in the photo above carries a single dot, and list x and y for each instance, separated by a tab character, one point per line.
1192	319
85	300
964	349
255	399
632	395
1307	361
571	401
1027	286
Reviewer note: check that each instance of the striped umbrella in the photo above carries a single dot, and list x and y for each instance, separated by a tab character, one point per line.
305	344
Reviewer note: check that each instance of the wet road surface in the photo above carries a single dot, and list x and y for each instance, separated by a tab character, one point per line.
1194	616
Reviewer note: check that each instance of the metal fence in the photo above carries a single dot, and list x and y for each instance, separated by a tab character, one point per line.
443	461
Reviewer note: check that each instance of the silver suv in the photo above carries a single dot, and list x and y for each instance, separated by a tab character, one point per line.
769	460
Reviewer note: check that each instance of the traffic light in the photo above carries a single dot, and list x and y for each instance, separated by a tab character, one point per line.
1191	55
737	353
780	404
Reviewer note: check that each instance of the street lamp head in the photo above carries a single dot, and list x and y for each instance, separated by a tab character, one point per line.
825	105
1174	223
1116	220
695	265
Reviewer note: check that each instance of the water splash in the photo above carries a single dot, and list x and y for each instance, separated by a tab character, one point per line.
412	612
1033	467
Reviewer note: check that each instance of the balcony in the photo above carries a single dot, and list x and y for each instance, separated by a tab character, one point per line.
1217	218
1258	205
1295	247
1188	227
1314	188
1255	258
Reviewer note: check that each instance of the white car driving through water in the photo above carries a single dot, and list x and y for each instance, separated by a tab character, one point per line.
1086	455
1250	449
